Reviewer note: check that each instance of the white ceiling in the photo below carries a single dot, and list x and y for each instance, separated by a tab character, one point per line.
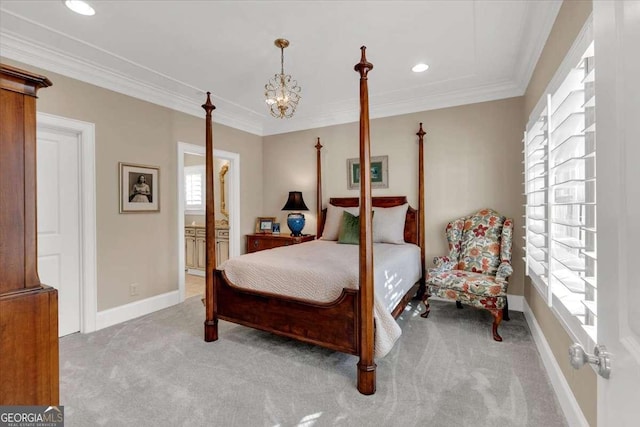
171	52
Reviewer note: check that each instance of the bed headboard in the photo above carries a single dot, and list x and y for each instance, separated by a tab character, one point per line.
411	222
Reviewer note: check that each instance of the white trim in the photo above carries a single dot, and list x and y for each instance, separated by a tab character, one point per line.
516	302
408	103
195	272
580	44
228	113
569	321
38	54
88	259
113	316
537	32
568	402
572	326
233	205
144	83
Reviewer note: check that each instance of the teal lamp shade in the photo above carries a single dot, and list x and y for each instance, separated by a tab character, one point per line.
295	220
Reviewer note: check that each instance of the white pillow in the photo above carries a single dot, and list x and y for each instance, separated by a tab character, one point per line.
388	224
333	221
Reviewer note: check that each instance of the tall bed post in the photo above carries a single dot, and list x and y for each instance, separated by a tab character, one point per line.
318	188
211	320
366	364
421	133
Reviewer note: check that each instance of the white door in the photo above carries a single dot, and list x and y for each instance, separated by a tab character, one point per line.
59	222
617	38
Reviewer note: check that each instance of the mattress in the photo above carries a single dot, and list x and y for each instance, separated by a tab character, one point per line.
320	269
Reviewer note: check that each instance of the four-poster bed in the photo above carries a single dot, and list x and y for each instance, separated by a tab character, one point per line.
344	323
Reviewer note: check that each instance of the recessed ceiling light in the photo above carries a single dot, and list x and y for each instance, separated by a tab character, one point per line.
80	7
419	68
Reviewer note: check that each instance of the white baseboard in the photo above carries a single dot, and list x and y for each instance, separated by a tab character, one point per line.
193	272
515	302
568	402
120	314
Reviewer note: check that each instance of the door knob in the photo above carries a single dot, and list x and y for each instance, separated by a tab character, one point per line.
600	357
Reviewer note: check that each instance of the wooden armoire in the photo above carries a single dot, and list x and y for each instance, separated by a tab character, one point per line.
28	309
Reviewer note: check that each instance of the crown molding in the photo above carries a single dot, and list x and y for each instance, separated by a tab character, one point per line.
39	55
227	113
535	35
342	113
151	86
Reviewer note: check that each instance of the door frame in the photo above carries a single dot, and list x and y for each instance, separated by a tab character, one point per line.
85	132
233	203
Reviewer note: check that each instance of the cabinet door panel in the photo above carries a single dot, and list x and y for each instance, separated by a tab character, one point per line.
201	253
190	251
222	251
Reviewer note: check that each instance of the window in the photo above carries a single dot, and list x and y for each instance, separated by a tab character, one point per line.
559	184
194	183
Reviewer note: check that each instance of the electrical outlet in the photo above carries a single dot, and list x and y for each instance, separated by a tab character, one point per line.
133	289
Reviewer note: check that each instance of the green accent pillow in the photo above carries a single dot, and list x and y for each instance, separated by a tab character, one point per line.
350	229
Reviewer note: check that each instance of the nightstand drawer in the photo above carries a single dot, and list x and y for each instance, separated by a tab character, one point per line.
222	234
255	244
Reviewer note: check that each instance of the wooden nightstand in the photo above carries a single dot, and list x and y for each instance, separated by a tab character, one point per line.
260	242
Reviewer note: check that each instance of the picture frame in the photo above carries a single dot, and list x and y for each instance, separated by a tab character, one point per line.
379	172
275	228
139	188
264	224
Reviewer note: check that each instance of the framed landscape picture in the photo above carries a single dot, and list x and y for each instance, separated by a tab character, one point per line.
379	172
139	188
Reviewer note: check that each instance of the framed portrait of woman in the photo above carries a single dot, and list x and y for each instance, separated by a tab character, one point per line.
139	188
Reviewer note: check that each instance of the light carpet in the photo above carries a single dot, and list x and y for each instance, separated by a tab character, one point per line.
443	371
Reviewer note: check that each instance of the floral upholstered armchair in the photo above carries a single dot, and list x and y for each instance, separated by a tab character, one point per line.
478	265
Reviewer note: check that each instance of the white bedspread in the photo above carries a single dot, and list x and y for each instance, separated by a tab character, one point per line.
318	271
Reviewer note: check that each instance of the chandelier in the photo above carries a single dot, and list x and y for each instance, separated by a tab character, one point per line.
282	92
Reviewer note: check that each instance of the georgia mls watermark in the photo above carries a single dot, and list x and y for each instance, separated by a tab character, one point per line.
31	416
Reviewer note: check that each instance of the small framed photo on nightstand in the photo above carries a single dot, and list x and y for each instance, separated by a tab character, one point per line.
275	228
264	225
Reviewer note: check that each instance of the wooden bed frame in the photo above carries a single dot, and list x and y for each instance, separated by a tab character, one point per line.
346	324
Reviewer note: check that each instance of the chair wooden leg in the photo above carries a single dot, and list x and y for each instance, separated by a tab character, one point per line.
497	318
505	310
458	305
425	301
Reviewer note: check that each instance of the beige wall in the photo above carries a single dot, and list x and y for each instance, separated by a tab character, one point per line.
472	161
570	20
143	248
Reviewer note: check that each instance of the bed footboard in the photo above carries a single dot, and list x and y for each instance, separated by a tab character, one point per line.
333	325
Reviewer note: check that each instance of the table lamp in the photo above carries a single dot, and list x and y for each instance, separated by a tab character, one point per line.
295	220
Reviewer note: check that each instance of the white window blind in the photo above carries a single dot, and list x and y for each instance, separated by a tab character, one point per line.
560	212
194	181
